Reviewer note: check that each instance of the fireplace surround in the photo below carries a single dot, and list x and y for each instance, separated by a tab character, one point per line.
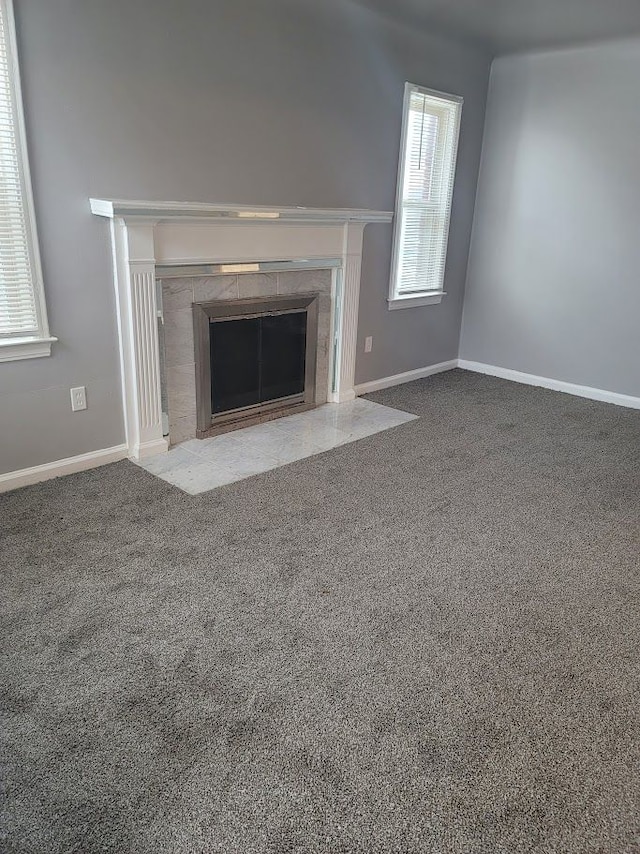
180	300
150	238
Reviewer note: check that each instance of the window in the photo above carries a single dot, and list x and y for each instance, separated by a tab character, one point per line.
430	127
24	332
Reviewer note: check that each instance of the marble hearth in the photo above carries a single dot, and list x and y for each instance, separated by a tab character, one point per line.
200	465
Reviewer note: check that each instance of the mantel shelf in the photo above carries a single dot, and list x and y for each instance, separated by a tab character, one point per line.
173	211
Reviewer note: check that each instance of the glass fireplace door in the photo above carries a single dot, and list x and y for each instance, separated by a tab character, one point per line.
256	360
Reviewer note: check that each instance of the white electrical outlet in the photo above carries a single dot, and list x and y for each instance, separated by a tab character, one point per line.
78	398
368	344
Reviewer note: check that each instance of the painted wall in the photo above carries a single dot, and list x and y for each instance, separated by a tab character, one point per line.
291	101
553	286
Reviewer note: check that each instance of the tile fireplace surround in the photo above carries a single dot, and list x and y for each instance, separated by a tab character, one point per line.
152	239
178	298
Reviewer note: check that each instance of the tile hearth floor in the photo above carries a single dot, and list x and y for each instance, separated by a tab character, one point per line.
199	465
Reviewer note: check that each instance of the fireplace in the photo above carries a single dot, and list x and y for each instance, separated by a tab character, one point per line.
255	360
152	238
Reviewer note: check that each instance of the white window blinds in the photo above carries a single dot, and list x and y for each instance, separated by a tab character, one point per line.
22	314
426	174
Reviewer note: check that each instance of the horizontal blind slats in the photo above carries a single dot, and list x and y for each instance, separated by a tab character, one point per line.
18	314
431	133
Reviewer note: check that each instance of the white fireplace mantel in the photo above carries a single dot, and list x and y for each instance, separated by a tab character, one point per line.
145	235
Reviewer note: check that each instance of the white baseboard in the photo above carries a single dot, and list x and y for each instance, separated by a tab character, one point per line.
93	459
555	385
149	449
70	465
407	377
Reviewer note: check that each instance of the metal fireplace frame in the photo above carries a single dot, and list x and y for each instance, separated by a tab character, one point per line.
204	313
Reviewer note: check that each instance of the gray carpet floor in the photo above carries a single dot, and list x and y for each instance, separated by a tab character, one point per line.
424	641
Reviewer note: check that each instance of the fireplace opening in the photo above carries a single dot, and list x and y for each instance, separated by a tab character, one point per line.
255	360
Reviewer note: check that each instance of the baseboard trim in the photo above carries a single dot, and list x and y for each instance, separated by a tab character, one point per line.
599	394
407	377
149	449
37	474
70	465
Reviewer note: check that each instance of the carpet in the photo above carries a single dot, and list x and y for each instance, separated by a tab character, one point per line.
424	641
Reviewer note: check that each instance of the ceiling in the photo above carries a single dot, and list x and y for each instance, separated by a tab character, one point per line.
507	26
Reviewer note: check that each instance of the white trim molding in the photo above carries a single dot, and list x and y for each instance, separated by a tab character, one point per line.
113	208
149	235
407	377
616	398
416	301
13	349
555	385
446	149
36	342
70	465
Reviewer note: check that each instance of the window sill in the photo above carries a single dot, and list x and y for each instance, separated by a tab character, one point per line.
416	301
13	349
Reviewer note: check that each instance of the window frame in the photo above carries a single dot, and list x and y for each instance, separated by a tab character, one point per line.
427	296
30	346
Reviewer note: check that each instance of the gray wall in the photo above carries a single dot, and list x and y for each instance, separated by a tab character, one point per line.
554	276
290	101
